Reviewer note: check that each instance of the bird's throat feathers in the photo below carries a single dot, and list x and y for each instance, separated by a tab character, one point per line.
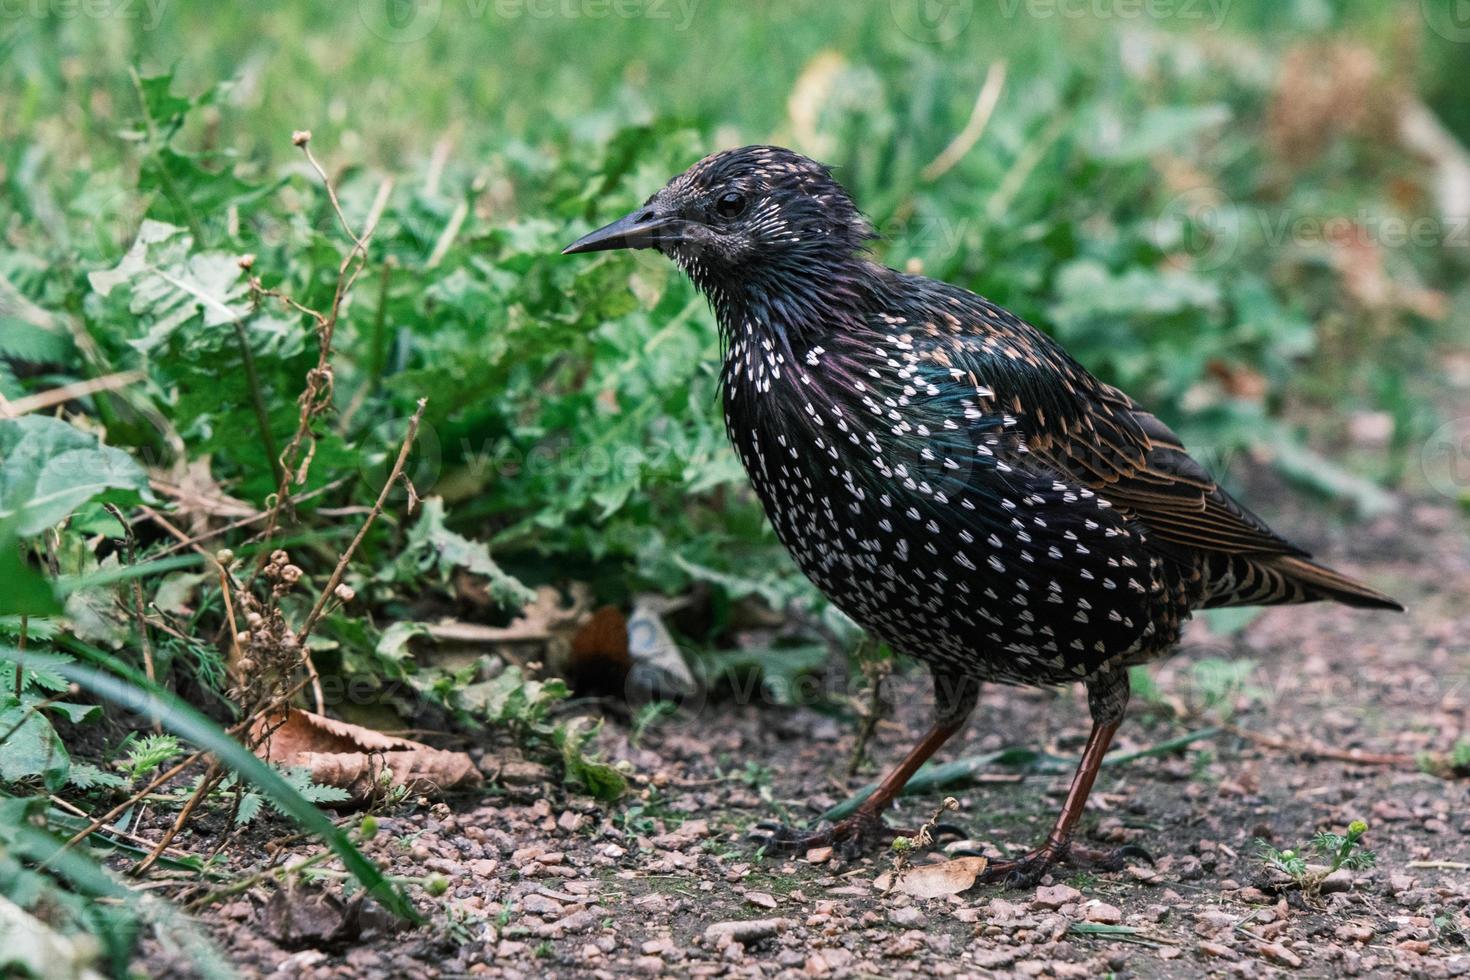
794	307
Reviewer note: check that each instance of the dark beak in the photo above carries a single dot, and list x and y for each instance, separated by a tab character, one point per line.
643	228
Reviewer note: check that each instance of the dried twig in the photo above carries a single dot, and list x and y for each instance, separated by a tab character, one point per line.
212	777
60	396
876	709
164	777
20	661
1318	751
130	543
393	476
186	541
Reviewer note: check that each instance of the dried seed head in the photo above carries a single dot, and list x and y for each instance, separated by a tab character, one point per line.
279	557
345	593
291	574
246	261
254	620
225	557
301	137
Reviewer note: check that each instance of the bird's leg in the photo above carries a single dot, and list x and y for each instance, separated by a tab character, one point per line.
955	698
1107	696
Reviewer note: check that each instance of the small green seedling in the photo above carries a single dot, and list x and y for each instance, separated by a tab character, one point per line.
1333	852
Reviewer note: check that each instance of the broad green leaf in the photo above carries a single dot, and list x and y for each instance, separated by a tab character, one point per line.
26	591
171	284
49	468
432	545
32	747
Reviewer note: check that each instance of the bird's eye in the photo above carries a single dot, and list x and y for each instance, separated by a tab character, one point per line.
730	204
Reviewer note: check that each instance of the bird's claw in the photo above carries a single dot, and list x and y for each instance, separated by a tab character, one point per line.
1030	868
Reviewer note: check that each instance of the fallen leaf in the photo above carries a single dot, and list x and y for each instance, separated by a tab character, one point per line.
354	758
934	880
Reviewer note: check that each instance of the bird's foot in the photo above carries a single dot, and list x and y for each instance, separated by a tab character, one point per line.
1031	867
863	832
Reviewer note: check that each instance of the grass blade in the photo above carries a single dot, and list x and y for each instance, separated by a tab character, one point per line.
134	693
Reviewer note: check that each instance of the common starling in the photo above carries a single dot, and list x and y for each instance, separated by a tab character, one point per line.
945	473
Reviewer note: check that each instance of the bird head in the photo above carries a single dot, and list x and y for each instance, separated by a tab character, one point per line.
740	215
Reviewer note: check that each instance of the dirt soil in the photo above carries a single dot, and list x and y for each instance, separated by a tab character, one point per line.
542	883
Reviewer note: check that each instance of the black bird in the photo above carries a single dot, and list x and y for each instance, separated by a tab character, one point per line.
949	476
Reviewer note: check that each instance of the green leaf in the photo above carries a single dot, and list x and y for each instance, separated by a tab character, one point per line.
249	808
32	748
598	779
84	775
170	284
26	592
431	545
76	713
49	468
394	643
159	102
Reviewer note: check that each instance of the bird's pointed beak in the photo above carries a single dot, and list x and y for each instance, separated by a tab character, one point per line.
644	228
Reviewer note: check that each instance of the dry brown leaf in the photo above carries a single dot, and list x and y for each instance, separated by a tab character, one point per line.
351	757
934	880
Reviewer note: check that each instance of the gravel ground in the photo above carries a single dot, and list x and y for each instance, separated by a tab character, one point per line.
668	882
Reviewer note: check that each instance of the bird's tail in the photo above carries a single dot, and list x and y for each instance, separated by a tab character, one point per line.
1320	582
1240	580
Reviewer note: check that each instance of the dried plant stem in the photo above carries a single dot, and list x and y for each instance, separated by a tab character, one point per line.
141	620
1323	751
316	398
212	776
876	671
185	541
20	661
985	102
336	578
66	393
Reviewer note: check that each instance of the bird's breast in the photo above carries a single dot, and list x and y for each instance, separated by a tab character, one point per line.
925	534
